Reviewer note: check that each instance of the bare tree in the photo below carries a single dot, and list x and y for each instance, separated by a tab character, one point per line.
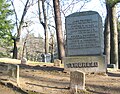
58	23
112	23
26	26
16	38
52	43
44	24
71	4
114	38
107	35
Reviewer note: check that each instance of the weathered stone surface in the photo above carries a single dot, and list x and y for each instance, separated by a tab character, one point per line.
23	61
12	70
84	34
87	64
57	62
77	80
3	67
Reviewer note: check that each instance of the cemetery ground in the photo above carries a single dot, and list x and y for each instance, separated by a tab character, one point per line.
44	78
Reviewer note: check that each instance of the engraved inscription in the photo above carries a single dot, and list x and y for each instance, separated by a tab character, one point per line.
82	65
82	33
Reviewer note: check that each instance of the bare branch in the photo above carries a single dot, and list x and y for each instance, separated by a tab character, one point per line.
22	19
40	19
72	5
16	18
82	6
68	6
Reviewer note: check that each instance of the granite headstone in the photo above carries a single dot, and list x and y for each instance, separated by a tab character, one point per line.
84	34
84	42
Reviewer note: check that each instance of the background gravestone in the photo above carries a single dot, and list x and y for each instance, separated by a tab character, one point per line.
57	62
77	80
23	60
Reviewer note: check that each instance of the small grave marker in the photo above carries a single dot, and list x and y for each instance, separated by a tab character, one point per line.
3	67
77	80
57	62
11	70
23	61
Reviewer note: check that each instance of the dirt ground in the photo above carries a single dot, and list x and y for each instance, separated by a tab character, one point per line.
53	80
7	90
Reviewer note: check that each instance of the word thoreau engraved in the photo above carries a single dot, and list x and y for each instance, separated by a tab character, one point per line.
82	65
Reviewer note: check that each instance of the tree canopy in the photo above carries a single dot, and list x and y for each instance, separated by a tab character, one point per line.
112	2
5	25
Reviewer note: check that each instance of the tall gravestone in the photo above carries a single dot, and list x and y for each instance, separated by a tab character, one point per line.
85	42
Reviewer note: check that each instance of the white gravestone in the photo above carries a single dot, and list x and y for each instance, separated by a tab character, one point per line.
57	62
23	60
84	34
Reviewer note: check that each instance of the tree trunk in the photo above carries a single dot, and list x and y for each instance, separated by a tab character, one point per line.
107	35
17	39
45	28
58	23
22	20
52	41
114	37
44	24
15	49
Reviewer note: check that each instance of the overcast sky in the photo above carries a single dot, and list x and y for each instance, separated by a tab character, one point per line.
95	5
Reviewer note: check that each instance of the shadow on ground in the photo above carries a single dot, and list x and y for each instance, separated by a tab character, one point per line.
113	74
105	89
44	68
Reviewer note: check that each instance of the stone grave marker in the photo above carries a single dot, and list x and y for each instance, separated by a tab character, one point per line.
13	72
23	60
57	62
3	67
84	42
10	70
77	80
87	64
84	34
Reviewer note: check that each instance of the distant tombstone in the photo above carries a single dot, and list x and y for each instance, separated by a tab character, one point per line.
46	57
77	80
84	34
57	62
23	60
